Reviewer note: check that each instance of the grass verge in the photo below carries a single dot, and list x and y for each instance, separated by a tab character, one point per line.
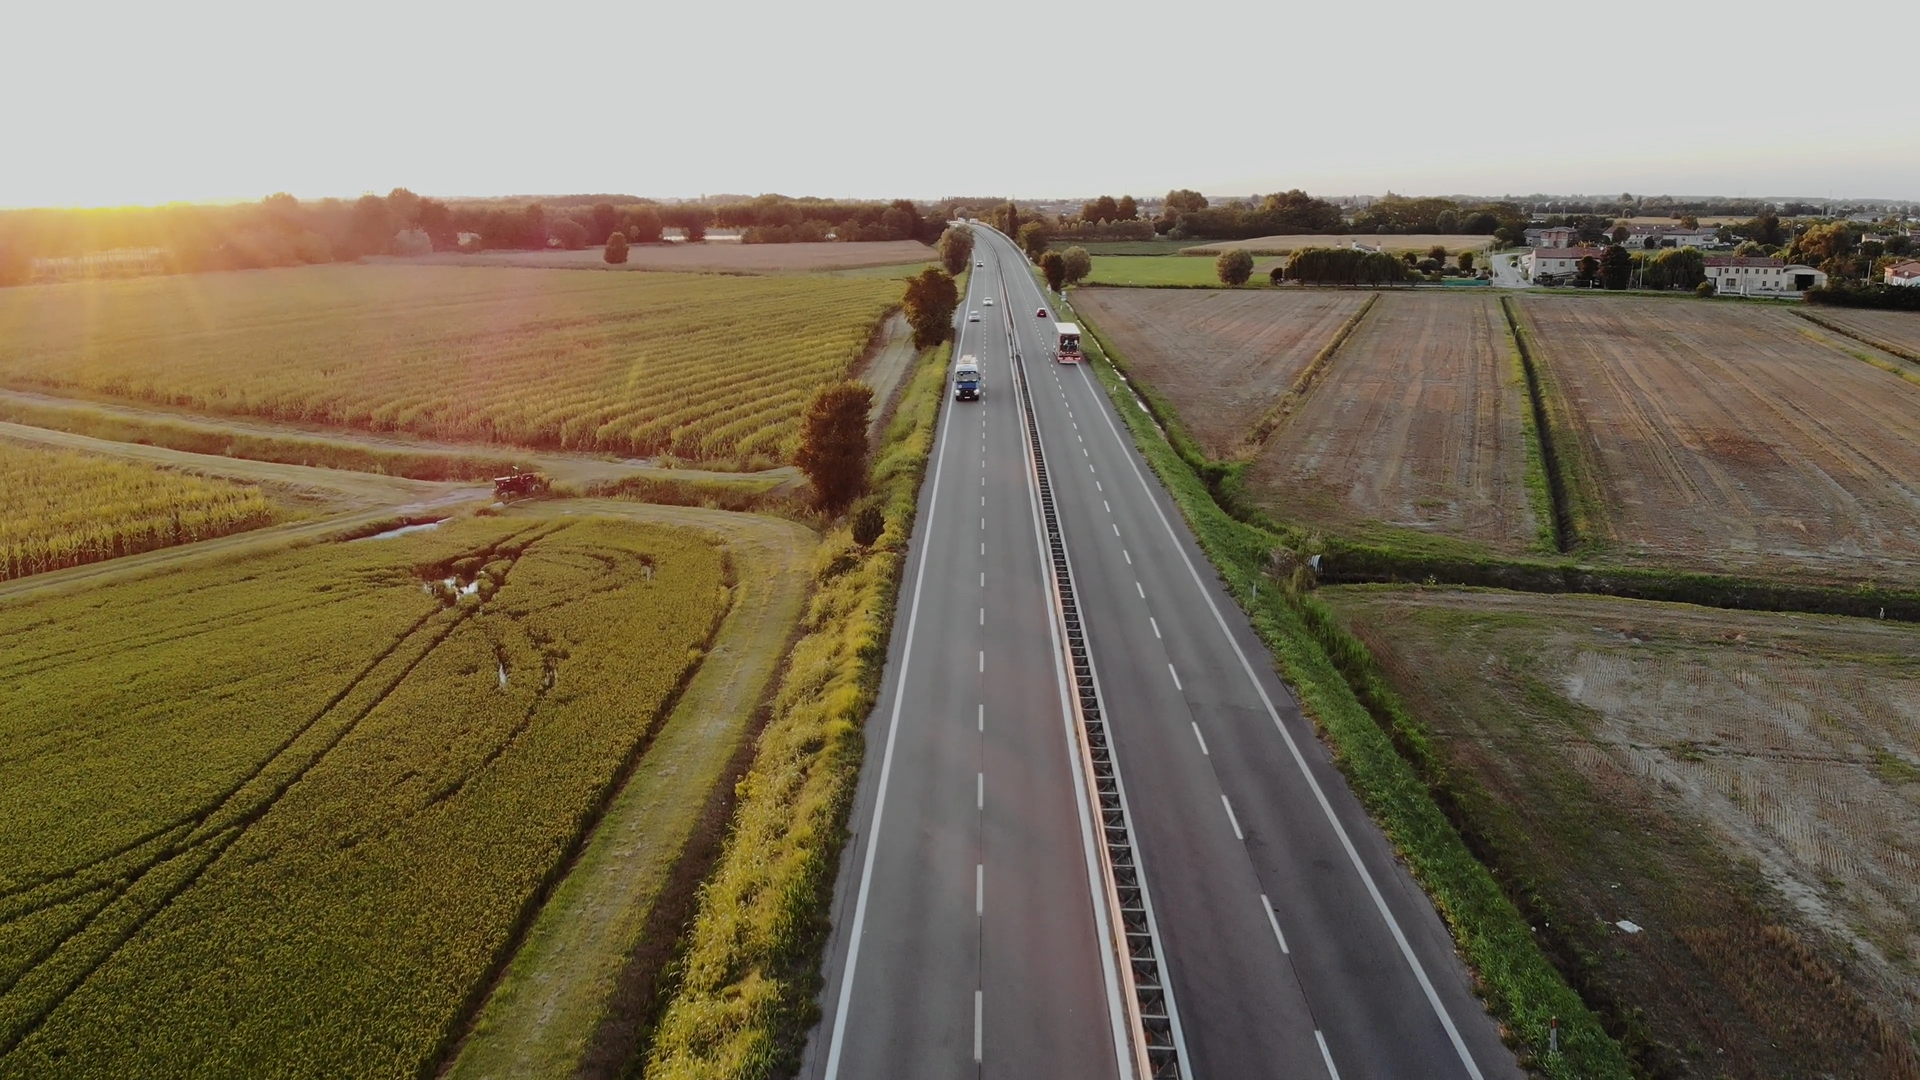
193	438
1382	749
745	989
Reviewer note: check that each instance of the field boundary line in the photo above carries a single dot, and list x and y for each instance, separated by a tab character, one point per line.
1567	527
1865	339
1271	421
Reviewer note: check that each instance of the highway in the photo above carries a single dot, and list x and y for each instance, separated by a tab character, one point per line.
970	927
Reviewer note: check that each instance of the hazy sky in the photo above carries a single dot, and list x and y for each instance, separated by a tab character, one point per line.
123	102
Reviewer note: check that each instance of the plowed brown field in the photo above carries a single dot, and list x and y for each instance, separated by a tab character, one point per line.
1416	423
1732	438
1897	332
1743	788
1221	357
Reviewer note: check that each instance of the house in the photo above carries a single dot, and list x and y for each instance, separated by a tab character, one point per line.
1761	277
1653	237
1546	263
1906	273
1557	237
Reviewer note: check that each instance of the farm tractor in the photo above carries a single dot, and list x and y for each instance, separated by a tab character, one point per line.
519	485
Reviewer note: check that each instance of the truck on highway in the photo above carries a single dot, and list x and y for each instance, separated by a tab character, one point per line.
966	379
1068	335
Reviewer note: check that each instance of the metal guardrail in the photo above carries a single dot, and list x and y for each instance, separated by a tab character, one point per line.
1149	1007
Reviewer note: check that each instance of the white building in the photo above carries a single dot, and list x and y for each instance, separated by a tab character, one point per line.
1562	262
1654	237
1557	237
1906	273
1761	277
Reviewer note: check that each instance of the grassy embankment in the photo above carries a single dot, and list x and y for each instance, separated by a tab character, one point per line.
372	779
1380	747
745	988
66	509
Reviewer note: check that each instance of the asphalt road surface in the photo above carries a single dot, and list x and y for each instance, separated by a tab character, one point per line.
969	921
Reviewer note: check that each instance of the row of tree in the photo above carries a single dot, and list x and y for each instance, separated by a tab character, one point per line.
777	219
1186	215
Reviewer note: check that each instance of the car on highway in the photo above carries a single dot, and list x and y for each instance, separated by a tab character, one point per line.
988	302
973	316
980	265
1040	314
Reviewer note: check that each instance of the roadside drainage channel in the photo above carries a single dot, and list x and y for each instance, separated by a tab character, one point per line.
1152	1016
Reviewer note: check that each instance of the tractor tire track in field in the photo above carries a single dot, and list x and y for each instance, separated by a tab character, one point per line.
213	829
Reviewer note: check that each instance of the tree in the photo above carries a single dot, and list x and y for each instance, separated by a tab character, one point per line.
1078	264
1033	239
833	443
1182	200
571	234
605	220
1466	261
1438	253
930	303
1587	269
643	226
1620	234
1100	209
616	252
956	248
1616	267
1126	209
1054	266
373	226
1234	267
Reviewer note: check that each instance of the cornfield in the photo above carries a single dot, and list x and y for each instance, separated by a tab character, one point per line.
704	367
64	509
282	817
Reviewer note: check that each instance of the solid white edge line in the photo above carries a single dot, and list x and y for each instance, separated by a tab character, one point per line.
1300	760
1096	883
838	1039
1231	820
1202	738
1324	1054
1274	922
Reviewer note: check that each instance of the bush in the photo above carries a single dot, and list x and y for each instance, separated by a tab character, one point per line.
1054	266
616	252
869	521
833	443
1234	267
571	234
1874	295
1703	290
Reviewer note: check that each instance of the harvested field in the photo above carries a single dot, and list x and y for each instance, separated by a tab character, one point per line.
708	258
703	367
1732	438
1743	788
1279	245
1221	358
1896	332
1417	422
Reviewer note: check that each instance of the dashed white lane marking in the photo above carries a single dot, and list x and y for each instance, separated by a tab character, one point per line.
1083	450
983	549
1317	1037
1156	627
983	498
1141	591
983	616
1116	530
1176	679
976	1030
1107	504
983	579
980	791
983	523
983	718
983	660
1123	551
1202	738
1274	922
1237	834
1096	485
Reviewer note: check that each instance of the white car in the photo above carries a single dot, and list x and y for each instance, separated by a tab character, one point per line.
988	302
980	265
973	316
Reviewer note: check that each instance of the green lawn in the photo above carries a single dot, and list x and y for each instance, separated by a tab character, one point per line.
1153	270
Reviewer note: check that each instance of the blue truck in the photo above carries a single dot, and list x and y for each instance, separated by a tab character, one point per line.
966	379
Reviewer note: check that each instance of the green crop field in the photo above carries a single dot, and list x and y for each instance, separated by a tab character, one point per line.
706	367
283	815
65	509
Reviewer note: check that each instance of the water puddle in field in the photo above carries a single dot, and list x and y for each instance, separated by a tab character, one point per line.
503	676
401	531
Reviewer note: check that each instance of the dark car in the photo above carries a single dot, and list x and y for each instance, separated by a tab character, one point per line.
1041	314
